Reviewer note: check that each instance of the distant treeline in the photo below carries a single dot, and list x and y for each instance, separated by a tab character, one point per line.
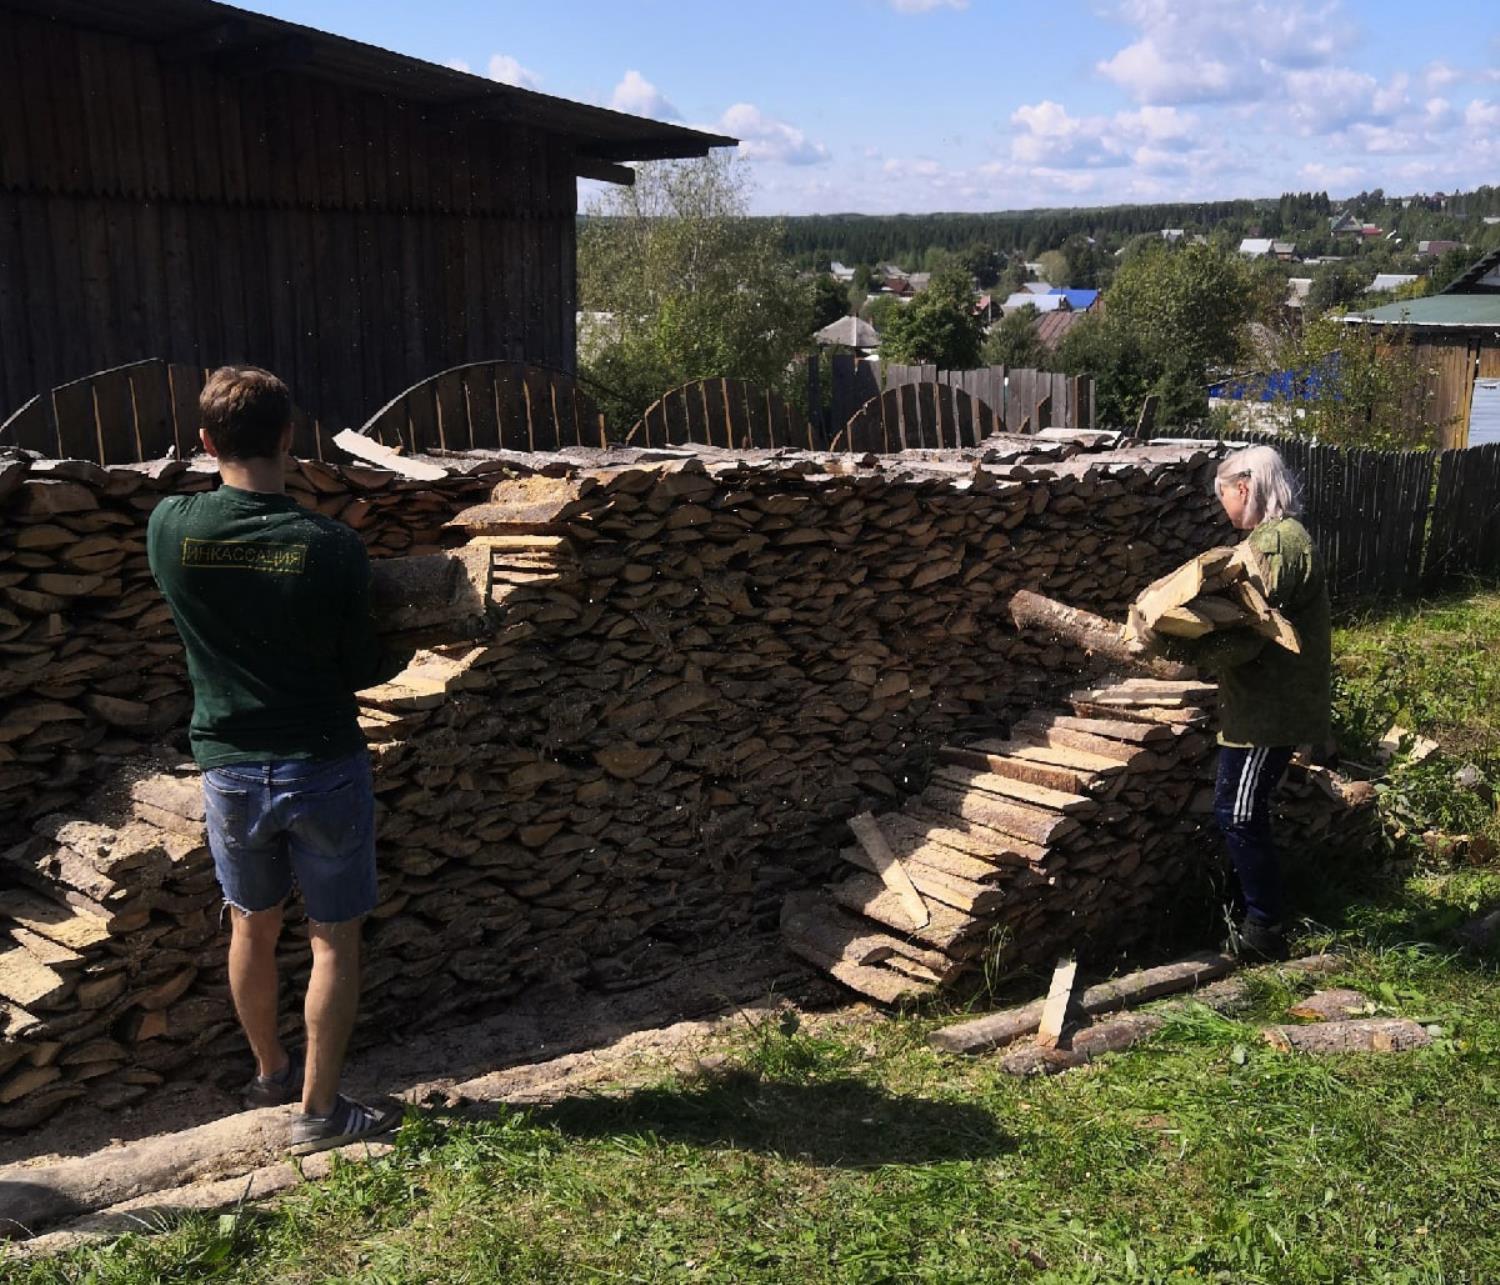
912	239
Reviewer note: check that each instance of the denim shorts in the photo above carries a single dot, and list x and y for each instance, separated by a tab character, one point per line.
311	821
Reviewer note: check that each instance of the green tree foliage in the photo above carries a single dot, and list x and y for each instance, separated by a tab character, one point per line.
1185	305
830	301
1054	267
1372	386
1450	265
1112	357
1085	265
937	326
1012	279
695	288
1337	285
881	311
1013	341
1169	316
982	263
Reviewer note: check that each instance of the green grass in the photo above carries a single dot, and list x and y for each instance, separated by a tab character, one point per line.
843	1151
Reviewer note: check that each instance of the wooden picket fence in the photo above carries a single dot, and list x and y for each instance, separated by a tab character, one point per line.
1394	523
132	414
1023	400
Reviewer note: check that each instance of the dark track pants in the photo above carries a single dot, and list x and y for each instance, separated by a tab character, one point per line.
1242	807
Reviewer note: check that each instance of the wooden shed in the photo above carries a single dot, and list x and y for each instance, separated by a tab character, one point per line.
185	180
1456	333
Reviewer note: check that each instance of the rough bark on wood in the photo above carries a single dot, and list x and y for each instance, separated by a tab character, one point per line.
1357	1035
1030	610
980	1034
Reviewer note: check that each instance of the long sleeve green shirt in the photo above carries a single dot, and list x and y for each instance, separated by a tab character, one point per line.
1269	696
273	605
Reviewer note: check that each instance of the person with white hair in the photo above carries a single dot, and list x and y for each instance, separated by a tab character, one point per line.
1270	700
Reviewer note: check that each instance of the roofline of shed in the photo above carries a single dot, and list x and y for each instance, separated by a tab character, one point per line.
248	43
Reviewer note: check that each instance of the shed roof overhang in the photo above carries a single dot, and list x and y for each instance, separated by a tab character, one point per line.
240	42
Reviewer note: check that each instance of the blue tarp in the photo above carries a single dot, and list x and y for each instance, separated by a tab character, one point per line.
1277	385
1078	300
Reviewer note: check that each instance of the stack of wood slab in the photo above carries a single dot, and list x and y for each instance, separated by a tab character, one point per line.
700	665
90	665
1058	838
108	929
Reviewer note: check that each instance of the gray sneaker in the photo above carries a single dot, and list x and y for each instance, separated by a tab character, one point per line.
349	1121
275	1090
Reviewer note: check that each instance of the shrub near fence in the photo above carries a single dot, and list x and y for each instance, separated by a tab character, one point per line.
1394	522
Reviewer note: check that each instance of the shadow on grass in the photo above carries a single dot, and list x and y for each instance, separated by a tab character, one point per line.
841	1122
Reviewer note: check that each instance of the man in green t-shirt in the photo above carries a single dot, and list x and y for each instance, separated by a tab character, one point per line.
273	605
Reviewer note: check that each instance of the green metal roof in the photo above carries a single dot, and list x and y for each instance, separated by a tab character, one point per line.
1436	310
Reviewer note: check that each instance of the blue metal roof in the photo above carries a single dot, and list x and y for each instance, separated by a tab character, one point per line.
1078	300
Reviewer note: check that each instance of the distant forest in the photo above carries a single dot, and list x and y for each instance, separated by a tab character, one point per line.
914	240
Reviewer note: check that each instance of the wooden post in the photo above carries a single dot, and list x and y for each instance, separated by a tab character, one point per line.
1055	1010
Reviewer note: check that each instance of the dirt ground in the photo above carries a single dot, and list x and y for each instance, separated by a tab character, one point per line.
549	1042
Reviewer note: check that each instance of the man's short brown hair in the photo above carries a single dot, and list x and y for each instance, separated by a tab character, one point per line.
244	411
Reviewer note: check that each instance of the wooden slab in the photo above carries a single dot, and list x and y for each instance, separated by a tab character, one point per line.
890	870
1039	796
1051	777
1055	1007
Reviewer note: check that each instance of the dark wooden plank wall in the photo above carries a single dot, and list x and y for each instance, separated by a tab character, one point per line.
352	243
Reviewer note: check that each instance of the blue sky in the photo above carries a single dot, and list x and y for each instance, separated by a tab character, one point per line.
887	106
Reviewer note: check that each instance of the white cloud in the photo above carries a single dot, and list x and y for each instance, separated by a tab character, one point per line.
927	6
508	71
1329	177
1439	75
764	139
638	96
1153	75
1214	50
1328	98
1049	136
458	64
1481	114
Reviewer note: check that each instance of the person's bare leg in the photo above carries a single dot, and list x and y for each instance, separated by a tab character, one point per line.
332	1003
254	985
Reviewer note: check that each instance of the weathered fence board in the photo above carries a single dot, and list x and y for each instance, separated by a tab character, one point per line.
488	405
1024	401
731	413
129	414
928	416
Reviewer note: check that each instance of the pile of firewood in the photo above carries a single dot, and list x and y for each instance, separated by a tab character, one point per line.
90	665
1071	835
1061	835
698	667
1222	588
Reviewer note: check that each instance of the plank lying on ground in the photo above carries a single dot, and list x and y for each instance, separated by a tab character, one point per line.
1359	1035
996	1029
1113	1036
156	1209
